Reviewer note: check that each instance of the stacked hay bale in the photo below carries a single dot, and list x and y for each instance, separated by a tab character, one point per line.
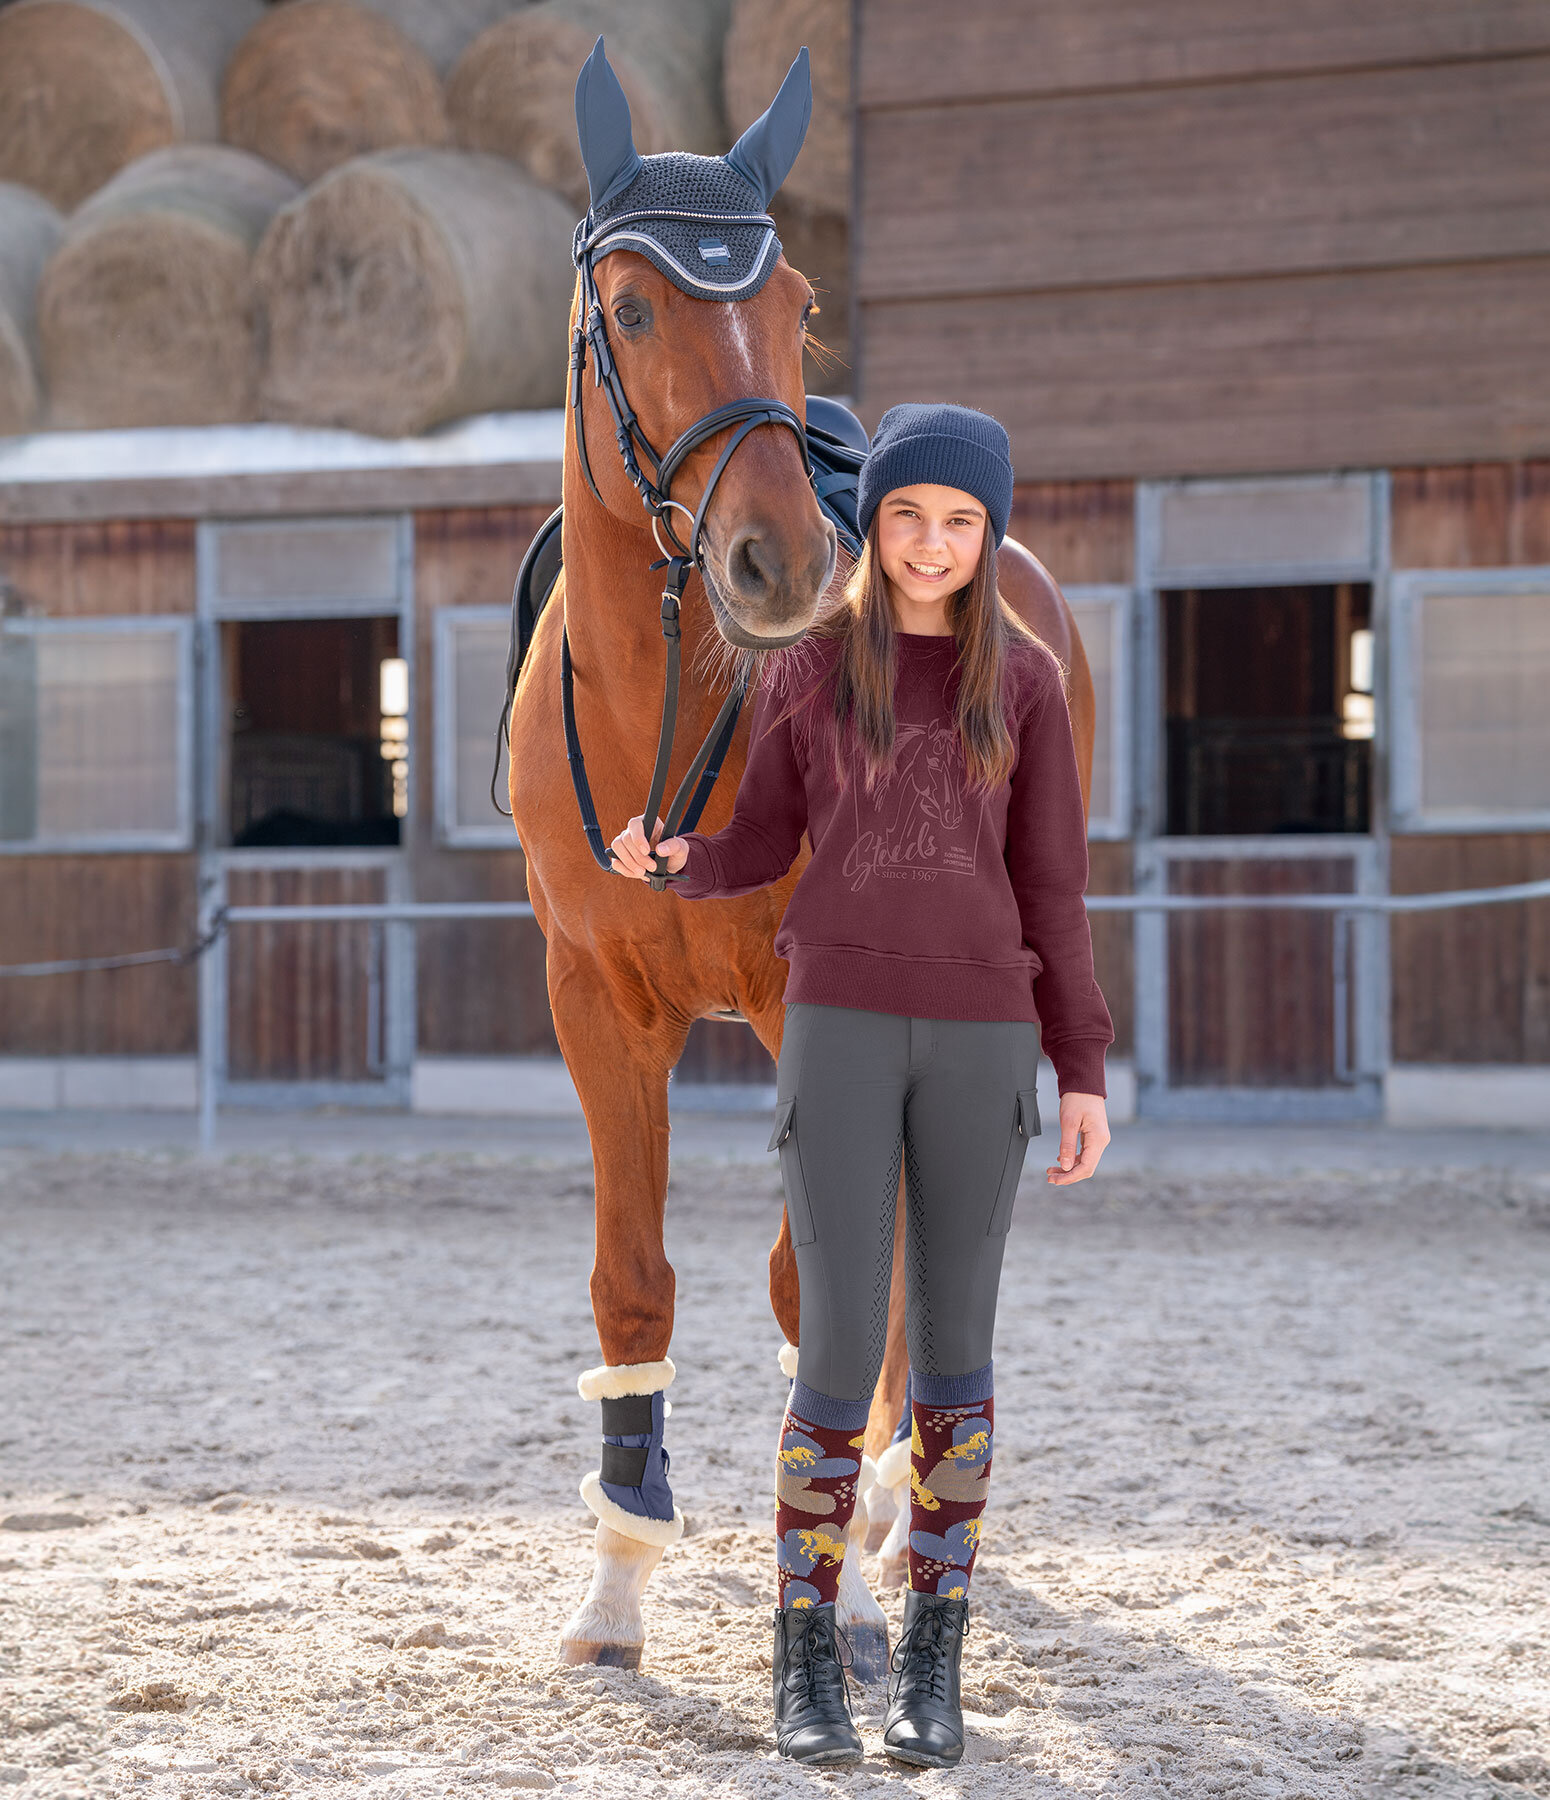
88	85
512	90
812	209
412	286
146	310
320	81
29	231
410	282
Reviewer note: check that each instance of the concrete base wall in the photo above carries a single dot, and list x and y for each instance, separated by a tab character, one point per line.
98	1084
1515	1097
1416	1095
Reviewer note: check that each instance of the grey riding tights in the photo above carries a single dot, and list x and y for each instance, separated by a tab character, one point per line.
857	1091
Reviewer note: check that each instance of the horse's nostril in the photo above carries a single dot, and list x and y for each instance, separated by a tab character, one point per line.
750	565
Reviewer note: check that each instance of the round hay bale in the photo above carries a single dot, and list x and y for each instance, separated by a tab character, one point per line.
146	312
761	41
818	243
443	28
321	81
29	232
513	89
89	85
414	286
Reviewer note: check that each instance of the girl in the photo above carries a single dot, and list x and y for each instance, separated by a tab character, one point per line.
938	925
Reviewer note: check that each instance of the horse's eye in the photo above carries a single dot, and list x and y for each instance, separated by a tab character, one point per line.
629	315
808	311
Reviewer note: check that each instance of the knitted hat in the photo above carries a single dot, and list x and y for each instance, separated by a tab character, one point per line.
948	446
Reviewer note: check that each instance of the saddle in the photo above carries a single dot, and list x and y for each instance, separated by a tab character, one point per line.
837	445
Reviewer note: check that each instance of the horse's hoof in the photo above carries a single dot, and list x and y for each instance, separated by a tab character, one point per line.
604	1656
868	1649
893	1571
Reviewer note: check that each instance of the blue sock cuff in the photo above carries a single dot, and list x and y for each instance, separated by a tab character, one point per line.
822	1409
953	1390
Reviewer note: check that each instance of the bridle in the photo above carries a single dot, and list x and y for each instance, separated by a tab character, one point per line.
678	558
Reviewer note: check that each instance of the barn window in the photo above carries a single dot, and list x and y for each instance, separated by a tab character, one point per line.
96	734
1103	619
1471	727
471	646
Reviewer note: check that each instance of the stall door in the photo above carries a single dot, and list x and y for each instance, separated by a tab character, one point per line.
1262	1013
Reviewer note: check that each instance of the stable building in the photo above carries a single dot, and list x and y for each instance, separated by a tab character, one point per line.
1267	315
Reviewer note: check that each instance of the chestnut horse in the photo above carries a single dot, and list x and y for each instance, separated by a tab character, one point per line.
631	969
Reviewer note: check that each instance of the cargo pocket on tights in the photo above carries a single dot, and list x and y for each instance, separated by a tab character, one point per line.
1025	1125
784	1139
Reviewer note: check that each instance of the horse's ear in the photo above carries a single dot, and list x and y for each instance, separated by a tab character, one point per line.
603	126
767	149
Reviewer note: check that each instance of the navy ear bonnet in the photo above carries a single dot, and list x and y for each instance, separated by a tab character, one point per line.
701	220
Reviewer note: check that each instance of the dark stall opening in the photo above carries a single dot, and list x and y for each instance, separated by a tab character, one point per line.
317	743
1269	710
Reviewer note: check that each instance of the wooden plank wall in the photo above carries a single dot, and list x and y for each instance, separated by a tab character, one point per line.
1174	237
58	908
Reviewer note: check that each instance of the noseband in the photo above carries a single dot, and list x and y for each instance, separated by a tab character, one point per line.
678	558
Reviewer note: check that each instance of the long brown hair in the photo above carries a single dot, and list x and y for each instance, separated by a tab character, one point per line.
861	683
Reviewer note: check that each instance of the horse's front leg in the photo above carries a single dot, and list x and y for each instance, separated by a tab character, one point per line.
619	1063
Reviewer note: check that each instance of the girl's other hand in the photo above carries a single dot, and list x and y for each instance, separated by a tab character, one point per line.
1086	1117
632	854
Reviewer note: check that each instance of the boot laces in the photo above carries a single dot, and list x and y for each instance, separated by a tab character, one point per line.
920	1658
813	1662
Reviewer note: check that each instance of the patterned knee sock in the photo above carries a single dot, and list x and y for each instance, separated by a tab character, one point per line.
950	1446
816	1470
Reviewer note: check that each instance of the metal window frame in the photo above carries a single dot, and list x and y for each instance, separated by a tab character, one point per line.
181	629
1411	588
398	1021
500	833
1115	825
1369	972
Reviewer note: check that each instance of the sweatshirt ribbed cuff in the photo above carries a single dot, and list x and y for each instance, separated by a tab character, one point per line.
1079	1066
699	871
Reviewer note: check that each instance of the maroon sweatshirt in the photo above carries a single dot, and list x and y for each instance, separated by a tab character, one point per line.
923	898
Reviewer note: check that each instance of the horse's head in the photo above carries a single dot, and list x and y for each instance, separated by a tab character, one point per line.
701	312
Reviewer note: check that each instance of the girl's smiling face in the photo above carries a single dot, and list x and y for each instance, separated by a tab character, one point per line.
929	541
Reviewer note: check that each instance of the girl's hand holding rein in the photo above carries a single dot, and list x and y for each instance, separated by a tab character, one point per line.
1086	1117
632	853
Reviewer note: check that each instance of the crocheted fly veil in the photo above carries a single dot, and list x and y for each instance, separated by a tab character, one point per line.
701	220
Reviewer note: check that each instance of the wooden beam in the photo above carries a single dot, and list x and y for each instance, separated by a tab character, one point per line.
912	51
1396	166
1362	370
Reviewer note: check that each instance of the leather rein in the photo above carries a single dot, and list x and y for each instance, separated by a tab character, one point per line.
678	558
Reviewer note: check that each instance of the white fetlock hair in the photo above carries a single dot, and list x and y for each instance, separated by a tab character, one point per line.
893	1466
788	1361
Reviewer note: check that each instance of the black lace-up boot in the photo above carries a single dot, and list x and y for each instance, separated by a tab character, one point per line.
812	1698
925	1709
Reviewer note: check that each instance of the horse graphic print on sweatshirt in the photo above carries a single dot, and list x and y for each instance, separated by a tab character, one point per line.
923	896
914	825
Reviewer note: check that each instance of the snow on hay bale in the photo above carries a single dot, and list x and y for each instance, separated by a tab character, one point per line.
413	286
146	311
512	91
763	37
29	231
320	81
89	85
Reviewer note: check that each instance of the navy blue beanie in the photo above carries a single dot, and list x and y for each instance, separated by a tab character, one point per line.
949	446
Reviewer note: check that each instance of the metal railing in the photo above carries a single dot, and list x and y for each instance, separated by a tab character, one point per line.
216	920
